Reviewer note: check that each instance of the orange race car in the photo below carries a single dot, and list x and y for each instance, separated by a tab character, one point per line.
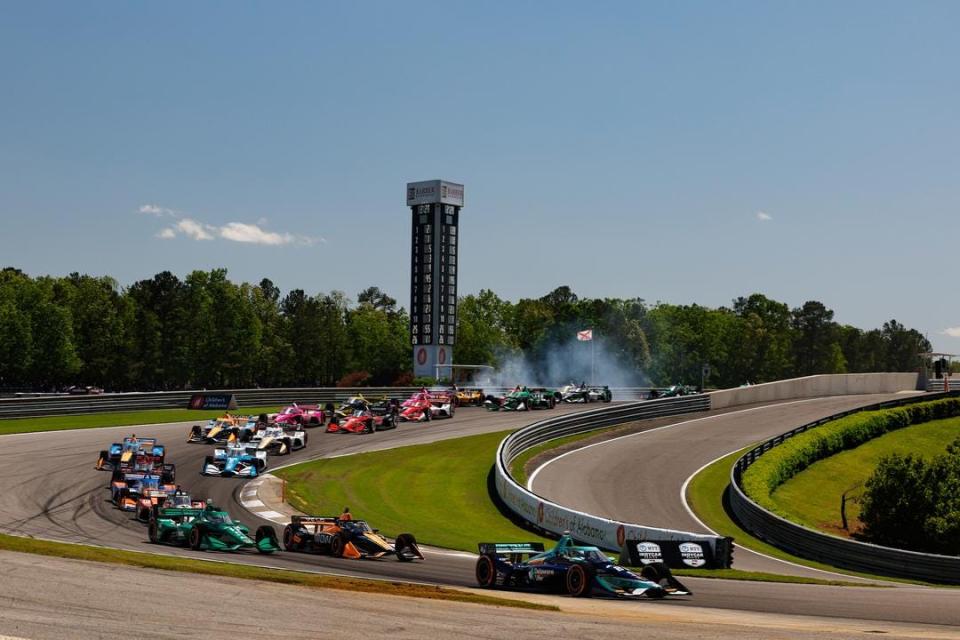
345	538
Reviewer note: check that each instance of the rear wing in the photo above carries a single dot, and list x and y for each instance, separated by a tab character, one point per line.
178	512
510	549
312	519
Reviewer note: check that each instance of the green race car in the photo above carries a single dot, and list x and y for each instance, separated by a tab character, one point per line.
208	529
522	399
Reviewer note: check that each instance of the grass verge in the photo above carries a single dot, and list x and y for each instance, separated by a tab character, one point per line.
246	572
705	495
436	491
115	419
812	497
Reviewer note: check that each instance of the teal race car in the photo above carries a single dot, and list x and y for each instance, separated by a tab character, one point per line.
576	570
208	529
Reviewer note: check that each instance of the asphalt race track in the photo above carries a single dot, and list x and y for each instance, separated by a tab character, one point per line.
49	489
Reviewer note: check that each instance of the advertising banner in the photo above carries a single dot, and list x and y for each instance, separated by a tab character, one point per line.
224	401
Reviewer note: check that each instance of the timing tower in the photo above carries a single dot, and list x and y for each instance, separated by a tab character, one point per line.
435	211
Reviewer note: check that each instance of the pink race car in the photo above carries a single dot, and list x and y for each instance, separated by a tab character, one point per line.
307	415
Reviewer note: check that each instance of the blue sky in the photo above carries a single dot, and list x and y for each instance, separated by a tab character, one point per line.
624	149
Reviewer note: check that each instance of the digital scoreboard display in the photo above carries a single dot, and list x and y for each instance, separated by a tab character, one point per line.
433	274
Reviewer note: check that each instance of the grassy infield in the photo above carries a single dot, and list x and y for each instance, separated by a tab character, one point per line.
400	489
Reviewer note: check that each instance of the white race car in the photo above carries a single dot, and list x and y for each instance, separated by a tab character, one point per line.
277	440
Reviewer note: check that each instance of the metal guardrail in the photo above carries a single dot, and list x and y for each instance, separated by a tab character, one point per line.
554	518
832	550
27	407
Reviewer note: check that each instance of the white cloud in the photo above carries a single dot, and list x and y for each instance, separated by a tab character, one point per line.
156	210
240	232
232	231
953	332
194	230
763	216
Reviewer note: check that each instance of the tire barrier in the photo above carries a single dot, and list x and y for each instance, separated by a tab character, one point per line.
51	405
611	535
832	550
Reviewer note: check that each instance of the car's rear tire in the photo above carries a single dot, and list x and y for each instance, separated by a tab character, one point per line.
654	572
337	545
103	459
196	538
305	439
486	572
579	581
207	461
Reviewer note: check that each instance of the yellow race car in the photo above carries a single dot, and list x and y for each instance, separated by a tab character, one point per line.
469	397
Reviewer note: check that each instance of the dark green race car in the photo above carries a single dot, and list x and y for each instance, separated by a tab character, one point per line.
523	399
208	529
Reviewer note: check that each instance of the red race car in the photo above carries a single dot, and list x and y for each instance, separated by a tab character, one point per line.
425	406
366	417
308	415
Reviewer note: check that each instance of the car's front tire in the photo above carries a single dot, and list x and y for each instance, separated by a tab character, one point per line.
579	581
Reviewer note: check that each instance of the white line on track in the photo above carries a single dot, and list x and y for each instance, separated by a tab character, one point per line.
252	504
272	515
536	471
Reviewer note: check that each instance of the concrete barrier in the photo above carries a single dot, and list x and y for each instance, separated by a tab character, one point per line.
842	384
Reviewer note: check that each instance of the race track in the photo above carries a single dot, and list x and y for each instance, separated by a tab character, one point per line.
49	489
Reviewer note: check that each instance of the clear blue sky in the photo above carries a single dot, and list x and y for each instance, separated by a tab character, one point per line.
624	149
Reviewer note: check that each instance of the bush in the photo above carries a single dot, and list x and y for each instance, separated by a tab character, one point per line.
912	503
799	452
423	381
355	379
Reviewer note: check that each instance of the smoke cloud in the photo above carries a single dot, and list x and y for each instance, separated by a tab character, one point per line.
571	361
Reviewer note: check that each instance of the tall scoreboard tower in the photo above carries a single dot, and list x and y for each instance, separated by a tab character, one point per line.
435	207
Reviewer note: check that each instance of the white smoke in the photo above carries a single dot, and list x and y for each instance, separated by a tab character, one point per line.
572	362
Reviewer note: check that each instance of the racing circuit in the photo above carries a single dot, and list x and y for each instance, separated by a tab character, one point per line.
50	490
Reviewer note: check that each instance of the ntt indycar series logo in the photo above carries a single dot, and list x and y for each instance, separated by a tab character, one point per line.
692	554
649	552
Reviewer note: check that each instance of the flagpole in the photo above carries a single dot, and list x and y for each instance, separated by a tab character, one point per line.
593	350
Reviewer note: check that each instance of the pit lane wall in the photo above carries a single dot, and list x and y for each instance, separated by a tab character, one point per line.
844	384
611	535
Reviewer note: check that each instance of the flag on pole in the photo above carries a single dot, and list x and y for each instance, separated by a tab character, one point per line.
585	336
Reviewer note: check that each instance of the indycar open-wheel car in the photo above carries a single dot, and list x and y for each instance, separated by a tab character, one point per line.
579	571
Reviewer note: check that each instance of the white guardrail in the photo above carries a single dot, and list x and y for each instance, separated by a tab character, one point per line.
556	519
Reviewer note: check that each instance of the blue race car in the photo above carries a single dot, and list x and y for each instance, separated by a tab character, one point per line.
569	568
235	460
125	452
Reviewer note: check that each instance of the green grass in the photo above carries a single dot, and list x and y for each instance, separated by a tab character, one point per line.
115	419
705	496
812	497
247	572
436	491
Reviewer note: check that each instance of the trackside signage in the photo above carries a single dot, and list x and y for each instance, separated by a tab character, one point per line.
434	191
603	533
225	401
676	554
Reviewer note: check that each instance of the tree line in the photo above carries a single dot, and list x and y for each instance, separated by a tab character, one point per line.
167	333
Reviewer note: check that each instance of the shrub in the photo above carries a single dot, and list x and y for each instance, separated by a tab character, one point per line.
405	379
423	381
912	503
796	454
